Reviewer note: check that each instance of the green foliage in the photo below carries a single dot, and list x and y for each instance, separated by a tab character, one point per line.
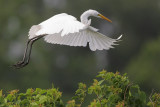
154	100
109	90
115	90
32	98
78	99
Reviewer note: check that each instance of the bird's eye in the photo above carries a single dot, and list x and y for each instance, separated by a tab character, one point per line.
99	15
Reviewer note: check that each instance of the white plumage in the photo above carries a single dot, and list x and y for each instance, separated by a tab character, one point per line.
65	29
63	23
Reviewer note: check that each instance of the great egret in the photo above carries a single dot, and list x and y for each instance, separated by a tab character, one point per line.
65	29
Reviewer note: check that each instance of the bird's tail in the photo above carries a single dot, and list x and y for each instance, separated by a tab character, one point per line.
33	30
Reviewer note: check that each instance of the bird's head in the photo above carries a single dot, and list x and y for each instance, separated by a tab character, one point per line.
98	15
90	12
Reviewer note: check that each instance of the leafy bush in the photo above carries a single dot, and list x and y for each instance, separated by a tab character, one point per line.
111	90
32	98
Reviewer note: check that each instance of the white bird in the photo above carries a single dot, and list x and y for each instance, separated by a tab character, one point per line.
65	29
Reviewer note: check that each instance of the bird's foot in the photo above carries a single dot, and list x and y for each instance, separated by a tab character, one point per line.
19	64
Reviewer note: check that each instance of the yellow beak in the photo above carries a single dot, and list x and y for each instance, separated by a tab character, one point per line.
103	17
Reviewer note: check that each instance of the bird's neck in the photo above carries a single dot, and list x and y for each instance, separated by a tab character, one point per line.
84	17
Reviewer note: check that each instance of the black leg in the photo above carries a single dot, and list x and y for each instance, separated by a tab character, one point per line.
30	50
25	61
18	64
25	54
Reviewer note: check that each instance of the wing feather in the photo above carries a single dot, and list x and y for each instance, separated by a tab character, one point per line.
90	40
72	40
82	39
104	44
77	39
98	43
96	40
107	42
94	43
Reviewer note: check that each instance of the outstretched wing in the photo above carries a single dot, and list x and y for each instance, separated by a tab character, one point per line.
64	29
96	40
63	23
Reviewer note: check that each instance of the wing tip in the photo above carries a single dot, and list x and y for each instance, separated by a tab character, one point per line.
120	37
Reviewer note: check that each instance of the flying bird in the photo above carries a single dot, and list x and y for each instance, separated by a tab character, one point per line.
65	29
